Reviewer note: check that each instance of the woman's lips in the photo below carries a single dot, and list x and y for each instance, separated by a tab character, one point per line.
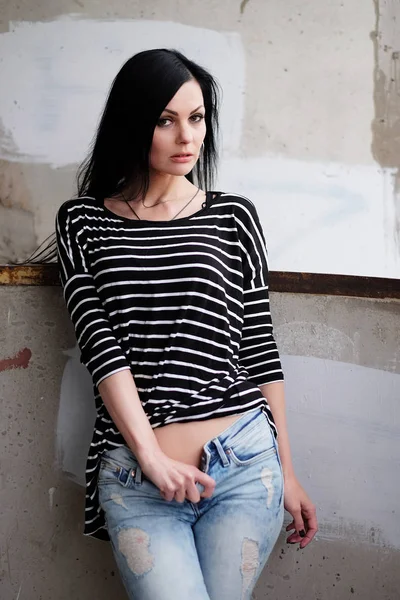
182	158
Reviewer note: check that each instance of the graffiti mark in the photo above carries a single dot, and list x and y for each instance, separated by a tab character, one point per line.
19	361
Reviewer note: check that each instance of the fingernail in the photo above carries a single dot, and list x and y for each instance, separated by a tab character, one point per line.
302	533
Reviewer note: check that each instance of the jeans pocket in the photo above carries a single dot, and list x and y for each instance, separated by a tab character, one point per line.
109	474
245	460
256	446
113	471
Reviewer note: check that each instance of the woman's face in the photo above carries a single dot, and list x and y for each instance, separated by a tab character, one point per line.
180	132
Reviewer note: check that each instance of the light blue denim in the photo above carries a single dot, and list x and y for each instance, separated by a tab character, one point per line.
211	550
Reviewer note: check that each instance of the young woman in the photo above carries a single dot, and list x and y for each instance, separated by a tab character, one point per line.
166	283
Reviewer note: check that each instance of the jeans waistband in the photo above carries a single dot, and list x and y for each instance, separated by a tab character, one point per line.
124	455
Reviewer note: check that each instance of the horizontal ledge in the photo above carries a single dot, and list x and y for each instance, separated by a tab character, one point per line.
29	274
334	285
280	281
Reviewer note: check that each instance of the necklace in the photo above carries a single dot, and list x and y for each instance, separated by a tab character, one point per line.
155	203
163	202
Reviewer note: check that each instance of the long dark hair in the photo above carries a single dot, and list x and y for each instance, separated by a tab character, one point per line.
119	153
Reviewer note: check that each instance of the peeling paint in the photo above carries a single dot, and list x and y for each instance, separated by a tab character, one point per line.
266	478
118	499
250	564
134	544
19	361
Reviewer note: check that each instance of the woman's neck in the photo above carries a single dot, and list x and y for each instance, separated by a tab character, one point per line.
168	189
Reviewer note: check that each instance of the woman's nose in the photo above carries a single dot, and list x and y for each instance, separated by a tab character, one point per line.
185	135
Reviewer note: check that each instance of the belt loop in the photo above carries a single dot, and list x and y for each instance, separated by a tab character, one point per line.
138	475
221	452
205	459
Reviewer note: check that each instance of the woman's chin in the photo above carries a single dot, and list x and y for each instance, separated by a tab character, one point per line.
175	169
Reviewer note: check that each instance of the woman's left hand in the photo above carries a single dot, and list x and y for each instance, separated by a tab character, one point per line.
299	505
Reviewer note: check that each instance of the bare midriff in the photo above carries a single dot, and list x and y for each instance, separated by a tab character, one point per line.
185	441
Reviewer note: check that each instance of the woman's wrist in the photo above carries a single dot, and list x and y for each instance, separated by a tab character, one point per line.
288	473
148	453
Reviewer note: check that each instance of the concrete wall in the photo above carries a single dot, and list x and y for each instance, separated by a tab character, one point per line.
310	117
310	125
342	363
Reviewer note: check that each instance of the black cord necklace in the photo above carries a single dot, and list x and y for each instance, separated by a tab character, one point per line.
193	197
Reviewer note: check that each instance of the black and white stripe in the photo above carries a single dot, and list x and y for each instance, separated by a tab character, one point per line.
182	304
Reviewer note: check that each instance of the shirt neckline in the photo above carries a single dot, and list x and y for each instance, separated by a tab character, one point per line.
202	211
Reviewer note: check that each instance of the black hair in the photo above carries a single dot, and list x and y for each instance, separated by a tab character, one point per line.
119	153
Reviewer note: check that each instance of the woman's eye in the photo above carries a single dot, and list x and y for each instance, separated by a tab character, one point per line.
166	121
163	122
197	118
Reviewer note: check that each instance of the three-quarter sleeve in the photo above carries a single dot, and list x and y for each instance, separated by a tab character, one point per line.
100	351
258	350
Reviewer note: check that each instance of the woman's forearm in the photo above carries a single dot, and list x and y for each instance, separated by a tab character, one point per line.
121	398
275	396
174	479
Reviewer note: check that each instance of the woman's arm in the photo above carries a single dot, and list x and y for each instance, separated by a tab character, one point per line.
258	352
297	502
175	480
101	353
121	398
259	355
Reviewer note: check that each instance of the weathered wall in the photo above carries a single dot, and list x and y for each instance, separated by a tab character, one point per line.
310	126
342	363
310	119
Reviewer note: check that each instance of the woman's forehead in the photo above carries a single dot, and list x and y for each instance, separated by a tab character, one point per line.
188	98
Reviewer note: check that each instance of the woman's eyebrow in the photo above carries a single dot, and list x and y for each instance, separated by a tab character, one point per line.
176	114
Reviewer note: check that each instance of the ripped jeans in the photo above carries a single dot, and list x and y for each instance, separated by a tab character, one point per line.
211	550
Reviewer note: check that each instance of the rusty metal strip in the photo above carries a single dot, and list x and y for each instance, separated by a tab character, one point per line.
29	275
280	281
334	285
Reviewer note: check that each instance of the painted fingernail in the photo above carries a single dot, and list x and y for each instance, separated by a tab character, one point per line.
302	533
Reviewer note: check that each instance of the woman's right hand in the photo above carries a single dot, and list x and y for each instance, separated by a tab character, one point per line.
175	480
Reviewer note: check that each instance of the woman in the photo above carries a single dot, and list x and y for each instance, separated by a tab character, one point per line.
166	283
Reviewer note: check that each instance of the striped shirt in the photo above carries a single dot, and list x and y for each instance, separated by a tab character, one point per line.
183	304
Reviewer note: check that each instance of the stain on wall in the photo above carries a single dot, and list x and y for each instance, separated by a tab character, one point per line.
19	361
243	5
386	124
